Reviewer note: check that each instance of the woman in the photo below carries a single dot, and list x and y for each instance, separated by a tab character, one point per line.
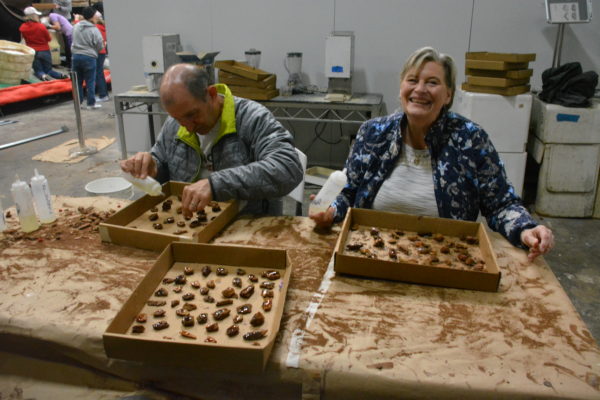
427	160
87	42
37	37
62	25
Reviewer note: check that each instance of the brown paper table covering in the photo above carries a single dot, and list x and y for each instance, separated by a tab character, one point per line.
341	337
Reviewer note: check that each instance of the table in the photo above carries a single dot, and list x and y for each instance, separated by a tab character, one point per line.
136	102
299	107
340	337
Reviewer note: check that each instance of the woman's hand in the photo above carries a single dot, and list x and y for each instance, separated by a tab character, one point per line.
323	219
539	240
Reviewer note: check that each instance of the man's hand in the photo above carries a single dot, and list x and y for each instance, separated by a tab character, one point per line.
140	166
540	240
195	197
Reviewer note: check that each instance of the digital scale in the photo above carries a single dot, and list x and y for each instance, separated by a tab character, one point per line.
563	12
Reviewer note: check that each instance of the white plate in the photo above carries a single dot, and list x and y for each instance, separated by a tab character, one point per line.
112	187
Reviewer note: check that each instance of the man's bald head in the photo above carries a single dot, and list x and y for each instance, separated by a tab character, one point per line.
192	78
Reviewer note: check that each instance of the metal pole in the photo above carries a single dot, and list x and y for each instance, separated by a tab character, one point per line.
45	135
83	149
121	127
558	46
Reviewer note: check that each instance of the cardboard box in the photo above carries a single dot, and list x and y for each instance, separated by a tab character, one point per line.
486	280
242	69
168	347
496	82
512	74
253	93
507	57
227	78
508	91
495	65
130	226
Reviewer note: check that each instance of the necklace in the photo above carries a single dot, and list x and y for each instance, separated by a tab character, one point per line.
416	157
412	155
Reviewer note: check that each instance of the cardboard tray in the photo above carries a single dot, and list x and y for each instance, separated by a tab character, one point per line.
117	229
253	93
507	91
509	57
167	347
242	69
487	280
496	82
270	82
495	65
512	74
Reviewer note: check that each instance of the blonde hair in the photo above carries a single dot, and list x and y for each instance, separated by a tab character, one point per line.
426	54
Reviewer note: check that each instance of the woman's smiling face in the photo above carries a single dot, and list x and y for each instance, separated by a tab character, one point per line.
423	93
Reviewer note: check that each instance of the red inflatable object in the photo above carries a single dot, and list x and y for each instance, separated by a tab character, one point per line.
30	91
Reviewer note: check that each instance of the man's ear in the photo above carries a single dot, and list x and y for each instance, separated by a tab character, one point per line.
212	91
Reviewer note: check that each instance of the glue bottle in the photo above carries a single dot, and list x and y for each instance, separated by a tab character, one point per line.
2	221
330	190
22	197
42	198
148	185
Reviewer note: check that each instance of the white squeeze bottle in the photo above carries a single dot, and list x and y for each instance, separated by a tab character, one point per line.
2	221
148	185
330	190
22	197
42	198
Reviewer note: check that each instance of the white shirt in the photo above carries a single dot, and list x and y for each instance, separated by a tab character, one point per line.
409	188
206	143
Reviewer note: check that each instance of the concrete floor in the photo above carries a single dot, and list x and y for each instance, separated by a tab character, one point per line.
574	260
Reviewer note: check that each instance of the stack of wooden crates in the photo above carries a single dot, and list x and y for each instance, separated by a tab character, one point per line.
498	73
246	81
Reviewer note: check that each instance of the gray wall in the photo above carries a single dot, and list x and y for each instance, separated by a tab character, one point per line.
386	32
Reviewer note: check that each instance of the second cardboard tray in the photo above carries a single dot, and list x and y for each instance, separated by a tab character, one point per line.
486	280
131	227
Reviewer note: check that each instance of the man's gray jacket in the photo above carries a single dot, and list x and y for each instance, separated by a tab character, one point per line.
256	161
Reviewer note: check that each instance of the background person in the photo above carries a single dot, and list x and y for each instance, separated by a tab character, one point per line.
427	160
87	42
37	37
101	86
62	25
64	8
230	147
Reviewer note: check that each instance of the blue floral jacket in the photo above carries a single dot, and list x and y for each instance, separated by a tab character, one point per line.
468	175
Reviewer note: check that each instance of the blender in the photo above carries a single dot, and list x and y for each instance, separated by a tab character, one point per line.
252	57
293	65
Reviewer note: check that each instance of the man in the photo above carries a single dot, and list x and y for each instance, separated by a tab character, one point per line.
231	148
